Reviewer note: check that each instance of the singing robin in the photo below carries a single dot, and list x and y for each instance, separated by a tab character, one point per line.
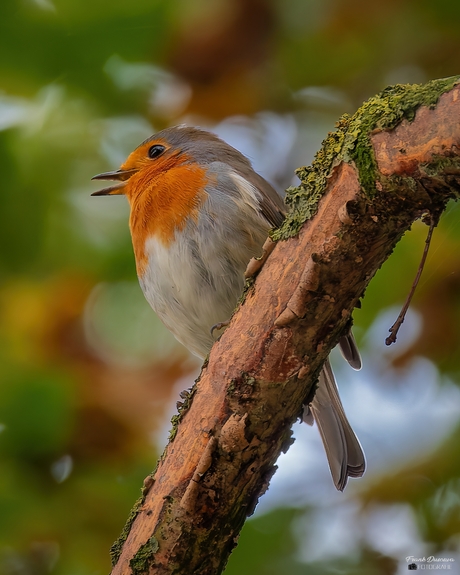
199	213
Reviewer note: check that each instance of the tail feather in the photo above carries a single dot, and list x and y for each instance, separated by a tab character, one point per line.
343	450
350	351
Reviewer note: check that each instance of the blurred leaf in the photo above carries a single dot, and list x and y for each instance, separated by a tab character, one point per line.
35	410
266	546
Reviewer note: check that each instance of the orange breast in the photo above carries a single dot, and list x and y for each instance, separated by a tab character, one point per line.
161	203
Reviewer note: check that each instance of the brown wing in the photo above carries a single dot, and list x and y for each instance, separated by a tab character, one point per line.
272	206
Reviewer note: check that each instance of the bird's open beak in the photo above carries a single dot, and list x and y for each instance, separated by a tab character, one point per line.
117	189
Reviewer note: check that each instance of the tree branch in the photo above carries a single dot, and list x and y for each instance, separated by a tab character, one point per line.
394	160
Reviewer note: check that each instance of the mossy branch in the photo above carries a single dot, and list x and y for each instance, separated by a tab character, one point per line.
394	160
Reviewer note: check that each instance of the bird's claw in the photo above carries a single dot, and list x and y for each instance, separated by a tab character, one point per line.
219	326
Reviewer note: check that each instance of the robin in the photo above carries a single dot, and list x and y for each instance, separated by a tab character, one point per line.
199	213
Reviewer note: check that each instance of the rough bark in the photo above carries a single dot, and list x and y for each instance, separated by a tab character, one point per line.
396	159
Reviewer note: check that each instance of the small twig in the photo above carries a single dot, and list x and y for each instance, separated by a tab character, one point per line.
400	320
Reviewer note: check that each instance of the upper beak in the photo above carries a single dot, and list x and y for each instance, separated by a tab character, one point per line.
117	189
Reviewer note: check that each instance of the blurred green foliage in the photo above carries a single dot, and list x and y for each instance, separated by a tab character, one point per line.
86	370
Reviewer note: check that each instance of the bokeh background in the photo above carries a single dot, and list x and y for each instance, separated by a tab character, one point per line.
89	377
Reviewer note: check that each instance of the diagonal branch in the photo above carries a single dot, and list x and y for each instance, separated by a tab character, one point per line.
394	160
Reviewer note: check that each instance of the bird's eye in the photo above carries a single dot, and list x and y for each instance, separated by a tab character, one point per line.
156	150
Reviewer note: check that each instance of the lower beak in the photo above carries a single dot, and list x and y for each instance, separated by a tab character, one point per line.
117	189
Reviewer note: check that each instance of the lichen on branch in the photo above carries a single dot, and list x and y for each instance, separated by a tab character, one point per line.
351	143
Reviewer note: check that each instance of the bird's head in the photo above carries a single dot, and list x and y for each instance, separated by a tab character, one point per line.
163	152
166	180
153	157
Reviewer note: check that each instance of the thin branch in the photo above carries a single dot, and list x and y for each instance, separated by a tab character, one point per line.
402	314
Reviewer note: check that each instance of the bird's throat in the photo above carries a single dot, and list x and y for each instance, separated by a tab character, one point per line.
161	204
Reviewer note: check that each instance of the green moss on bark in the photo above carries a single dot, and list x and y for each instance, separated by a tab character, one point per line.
182	408
115	550
351	143
144	557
